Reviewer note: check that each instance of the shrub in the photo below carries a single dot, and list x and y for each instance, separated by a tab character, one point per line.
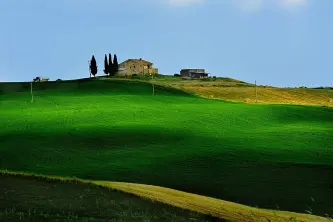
176	75
135	76
247	100
37	79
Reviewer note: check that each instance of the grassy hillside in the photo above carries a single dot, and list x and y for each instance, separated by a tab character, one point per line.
222	88
238	91
267	95
27	198
270	156
76	198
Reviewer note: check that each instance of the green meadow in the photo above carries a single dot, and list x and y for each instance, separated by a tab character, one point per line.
269	156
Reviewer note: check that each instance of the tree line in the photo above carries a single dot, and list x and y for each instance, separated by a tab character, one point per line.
111	66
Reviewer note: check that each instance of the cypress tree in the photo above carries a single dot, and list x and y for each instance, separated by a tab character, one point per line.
93	66
106	65
115	64
110	68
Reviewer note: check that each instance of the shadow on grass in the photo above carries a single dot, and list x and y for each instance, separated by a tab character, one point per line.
299	113
215	167
91	85
39	200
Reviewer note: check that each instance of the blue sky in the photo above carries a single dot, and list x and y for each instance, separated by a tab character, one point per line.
276	42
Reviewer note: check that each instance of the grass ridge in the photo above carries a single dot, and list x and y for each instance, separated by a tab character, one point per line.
205	205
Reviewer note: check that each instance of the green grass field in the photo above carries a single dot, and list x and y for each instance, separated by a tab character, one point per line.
269	156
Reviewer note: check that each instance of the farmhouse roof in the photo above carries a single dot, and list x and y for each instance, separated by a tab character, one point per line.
138	60
192	69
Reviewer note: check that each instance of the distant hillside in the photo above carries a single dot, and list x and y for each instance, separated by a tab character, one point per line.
239	91
96	85
220	88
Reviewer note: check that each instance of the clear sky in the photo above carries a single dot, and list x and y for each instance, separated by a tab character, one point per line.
276	42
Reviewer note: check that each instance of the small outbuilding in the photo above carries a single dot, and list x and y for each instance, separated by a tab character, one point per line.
193	73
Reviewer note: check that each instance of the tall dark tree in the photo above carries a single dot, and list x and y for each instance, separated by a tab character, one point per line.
115	64
106	65
93	66
110	70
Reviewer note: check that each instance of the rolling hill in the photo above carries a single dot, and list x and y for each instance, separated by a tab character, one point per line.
266	156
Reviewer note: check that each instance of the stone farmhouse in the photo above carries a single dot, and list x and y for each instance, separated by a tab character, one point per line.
193	73
136	66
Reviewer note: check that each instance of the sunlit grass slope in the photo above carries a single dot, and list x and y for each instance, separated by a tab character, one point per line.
319	97
32	198
81	198
235	90
270	156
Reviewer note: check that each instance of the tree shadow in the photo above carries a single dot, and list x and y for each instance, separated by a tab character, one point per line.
93	86
299	113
